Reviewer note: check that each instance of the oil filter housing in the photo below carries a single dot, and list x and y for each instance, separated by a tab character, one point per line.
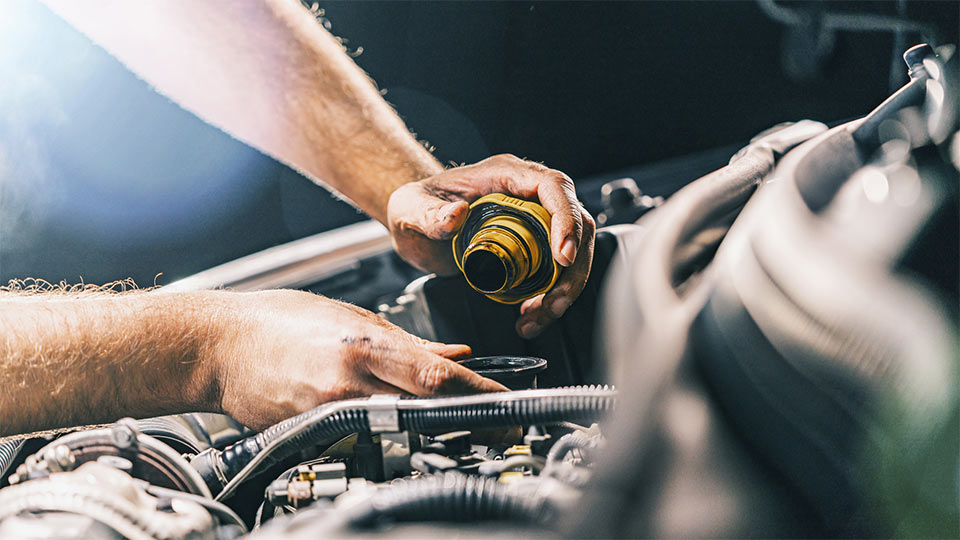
503	249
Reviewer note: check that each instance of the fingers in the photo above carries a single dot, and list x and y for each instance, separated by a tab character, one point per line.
557	195
453	352
424	215
555	192
413	207
421	372
538	312
527	180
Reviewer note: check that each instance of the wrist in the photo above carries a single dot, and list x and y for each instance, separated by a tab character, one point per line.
217	322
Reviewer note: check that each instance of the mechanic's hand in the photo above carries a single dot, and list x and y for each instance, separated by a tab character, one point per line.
294	350
424	216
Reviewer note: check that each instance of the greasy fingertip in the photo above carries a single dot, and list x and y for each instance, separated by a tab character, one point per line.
445	220
531	304
528	329
458	352
453	351
450	217
558	306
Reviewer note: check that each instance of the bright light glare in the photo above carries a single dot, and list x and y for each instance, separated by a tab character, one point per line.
875	185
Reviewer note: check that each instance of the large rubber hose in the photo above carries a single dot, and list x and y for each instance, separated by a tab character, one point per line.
867	133
332	421
334	426
451	496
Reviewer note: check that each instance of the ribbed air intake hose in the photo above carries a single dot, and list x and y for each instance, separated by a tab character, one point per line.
450	496
335	420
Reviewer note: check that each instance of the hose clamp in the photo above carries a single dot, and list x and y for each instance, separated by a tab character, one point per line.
382	413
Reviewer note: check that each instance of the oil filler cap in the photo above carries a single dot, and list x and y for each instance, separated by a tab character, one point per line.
503	249
514	372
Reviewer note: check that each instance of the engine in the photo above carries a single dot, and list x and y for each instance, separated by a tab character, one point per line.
520	456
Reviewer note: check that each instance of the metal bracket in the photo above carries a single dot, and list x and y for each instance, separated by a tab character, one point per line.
382	413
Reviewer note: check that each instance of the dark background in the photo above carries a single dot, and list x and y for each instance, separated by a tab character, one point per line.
102	179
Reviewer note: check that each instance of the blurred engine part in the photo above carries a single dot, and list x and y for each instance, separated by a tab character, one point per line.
863	357
296	264
623	202
98	500
812	31
142	456
820	372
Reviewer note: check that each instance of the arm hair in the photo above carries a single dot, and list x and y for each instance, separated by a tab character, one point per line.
87	354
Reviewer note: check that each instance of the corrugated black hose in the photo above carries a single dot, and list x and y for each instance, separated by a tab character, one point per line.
330	422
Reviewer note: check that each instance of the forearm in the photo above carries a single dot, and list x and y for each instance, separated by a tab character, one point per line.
267	73
68	360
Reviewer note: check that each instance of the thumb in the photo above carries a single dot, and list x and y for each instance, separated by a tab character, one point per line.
446	221
431	216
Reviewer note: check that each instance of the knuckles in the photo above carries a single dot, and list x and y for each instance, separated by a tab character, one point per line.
504	159
436	377
589	224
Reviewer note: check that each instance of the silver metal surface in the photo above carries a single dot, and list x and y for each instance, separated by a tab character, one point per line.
295	264
382	413
496	397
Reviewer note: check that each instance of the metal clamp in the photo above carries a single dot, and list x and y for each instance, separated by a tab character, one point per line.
382	413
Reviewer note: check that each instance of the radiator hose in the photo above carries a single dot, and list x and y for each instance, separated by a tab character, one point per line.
329	422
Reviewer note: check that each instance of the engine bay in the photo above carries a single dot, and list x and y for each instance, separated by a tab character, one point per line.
510	456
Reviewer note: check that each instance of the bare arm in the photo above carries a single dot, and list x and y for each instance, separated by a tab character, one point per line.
67	361
261	357
267	73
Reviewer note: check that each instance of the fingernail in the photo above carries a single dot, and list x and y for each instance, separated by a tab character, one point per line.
559	306
529	329
569	251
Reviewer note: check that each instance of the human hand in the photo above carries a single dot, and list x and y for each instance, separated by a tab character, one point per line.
292	351
423	216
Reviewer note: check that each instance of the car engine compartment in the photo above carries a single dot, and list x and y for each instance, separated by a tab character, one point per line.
768	352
